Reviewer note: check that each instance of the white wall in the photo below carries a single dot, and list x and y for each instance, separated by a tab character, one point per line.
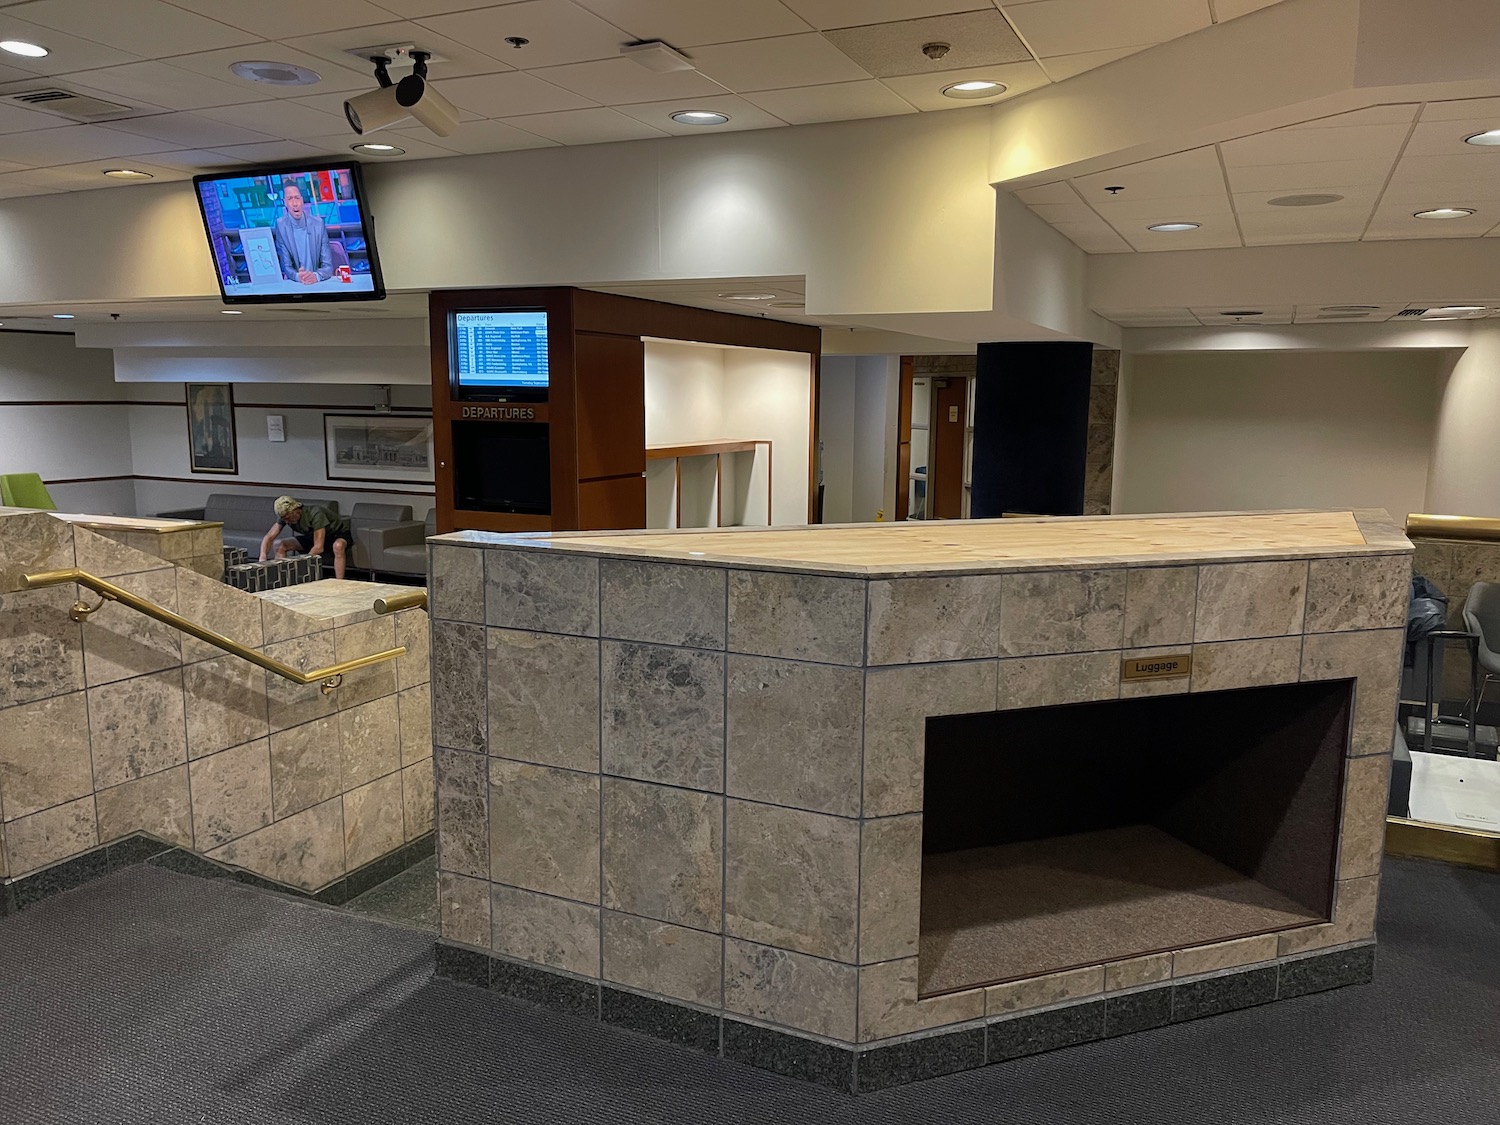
1465	478
1248	430
858	400
837	396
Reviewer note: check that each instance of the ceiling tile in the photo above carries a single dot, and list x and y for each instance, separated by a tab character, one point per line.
841	101
90	175
7	166
1478	173
512	94
1059	68
560	32
334	77
742	115
19	119
68	52
1446	138
776	64
1269	314
1357	200
486	136
586	126
164	85
456	59
1458	110
71	144
1216	232
1303	146
1399	113
148	28
270	151
412	9
1321	175
620	81
283	119
925	91
188	130
425	146
1070	27
1060	192
891	50
1126	213
1092	239
1194	172
1226	10
691	23
1073	211
277	19
192	161
12	188
824	14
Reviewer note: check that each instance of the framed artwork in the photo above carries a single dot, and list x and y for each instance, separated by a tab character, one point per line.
393	448
211	439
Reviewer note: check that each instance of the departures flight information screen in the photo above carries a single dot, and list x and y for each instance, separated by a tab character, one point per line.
500	349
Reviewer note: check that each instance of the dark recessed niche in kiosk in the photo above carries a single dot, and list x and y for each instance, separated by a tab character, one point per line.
502	467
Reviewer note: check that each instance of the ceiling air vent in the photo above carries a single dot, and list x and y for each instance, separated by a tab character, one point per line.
64	103
1410	312
1342	316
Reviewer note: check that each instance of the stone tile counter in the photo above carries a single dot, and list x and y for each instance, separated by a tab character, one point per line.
870	804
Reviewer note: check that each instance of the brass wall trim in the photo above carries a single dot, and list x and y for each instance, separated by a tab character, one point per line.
1452	527
327	678
417	599
1418	839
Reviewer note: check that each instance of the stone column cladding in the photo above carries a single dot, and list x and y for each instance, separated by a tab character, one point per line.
1099	478
199	547
122	725
703	783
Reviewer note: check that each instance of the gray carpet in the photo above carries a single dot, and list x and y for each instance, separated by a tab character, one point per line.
159	999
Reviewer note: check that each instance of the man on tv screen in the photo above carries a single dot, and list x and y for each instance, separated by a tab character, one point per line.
302	241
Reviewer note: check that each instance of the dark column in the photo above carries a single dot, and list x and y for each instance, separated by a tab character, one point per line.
1031	428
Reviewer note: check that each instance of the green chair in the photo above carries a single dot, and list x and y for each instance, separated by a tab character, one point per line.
24	490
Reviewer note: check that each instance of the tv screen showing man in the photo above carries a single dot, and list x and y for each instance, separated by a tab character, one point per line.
302	241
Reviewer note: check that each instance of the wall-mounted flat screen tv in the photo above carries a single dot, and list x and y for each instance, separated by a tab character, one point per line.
500	353
295	233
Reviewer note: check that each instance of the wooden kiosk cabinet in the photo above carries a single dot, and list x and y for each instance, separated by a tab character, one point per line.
565	451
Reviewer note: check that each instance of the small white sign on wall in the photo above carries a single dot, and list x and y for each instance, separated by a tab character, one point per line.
275	427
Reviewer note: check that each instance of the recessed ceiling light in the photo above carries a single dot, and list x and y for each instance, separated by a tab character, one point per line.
127	174
747	296
379	150
1173	228
274	73
1455	310
975	88
1488	138
24	49
1444	213
1350	308
699	117
232	312
1311	199
62	316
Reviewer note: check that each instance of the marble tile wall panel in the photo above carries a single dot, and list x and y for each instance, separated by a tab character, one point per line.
374	821
921	620
105	558
791	879
662	958
413	633
793	734
791	989
1137	971
896	730
30	543
464	909
305	766
1237	601
890	888
43	838
544	829
1368	592
235	614
461	797
45	758
1375	659
545	930
159	805
1043	991
1222	665
1061	611
456	589
458	686
663	714
1355	902
417	798
232	797
291	703
369	741
414	707
663	853
41	650
544	698
363	639
1159	605
226	702
305	851
1362	837
138	727
279	623
1051	681
542	590
119	643
797	616
889	1005
663	603
1224	955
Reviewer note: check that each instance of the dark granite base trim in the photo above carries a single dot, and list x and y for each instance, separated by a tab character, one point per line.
882	1065
28	890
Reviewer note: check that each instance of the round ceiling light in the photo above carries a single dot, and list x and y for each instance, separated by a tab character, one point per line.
748	296
1243	312
232	312
1487	139
62	316
127	174
1444	213
1351	308
1311	199
975	88
1173	228
699	117
378	150
24	49
274	73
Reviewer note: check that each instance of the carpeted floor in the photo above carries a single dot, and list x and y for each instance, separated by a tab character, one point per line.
159	999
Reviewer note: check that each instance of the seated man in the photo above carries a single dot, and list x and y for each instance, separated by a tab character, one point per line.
318	532
301	239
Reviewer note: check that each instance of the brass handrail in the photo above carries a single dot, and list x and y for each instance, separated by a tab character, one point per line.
417	599
327	678
1452	527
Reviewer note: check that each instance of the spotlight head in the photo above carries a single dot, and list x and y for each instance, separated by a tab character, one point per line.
416	96
378	109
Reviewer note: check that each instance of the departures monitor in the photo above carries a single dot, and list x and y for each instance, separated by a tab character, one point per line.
497	354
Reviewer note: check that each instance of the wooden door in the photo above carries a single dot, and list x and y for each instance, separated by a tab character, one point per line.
945	482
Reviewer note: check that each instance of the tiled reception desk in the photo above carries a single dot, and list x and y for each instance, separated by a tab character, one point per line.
866	805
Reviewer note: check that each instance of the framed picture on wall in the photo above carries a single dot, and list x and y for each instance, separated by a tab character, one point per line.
392	448
211	438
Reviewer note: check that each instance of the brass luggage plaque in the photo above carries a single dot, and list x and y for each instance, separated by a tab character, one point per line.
1168	667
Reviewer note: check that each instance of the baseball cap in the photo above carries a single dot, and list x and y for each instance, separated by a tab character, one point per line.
285	504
